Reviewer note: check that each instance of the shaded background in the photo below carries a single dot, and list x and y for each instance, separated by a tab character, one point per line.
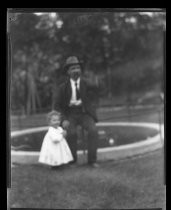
123	55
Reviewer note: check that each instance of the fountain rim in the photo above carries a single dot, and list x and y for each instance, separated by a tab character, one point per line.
146	142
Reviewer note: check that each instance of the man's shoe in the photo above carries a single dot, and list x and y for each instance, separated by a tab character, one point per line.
94	165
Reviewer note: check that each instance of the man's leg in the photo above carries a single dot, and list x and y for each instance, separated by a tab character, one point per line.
89	124
72	137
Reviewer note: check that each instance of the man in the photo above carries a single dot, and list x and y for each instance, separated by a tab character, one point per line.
76	108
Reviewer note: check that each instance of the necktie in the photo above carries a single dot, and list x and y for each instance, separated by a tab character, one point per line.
77	91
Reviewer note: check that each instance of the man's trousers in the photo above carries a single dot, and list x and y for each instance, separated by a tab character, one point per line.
87	123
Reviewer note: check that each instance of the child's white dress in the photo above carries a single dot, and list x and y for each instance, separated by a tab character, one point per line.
55	150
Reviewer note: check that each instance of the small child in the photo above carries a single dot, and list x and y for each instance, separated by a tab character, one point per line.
55	150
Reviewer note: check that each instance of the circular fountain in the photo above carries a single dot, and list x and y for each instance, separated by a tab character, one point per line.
114	144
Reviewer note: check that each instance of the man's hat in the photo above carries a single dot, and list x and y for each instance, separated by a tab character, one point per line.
72	60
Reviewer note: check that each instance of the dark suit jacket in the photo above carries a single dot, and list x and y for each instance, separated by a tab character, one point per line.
64	96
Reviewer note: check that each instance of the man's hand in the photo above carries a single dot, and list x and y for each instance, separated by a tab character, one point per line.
65	124
75	103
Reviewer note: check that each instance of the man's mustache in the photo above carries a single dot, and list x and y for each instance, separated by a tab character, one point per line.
76	74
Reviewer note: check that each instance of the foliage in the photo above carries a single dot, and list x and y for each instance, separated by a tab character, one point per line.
119	50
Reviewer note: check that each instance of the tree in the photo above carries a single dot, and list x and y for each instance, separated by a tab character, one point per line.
112	46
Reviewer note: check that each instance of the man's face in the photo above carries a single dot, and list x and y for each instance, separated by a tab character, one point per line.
74	72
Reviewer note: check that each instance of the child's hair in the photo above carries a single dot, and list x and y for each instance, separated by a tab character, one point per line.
52	113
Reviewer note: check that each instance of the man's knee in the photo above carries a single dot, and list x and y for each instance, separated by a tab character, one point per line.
72	132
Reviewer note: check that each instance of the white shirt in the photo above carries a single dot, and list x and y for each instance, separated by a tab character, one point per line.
73	100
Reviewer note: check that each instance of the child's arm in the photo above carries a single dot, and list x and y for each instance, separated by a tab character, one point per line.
64	133
55	136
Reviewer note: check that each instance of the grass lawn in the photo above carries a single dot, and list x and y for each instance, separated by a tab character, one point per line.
131	183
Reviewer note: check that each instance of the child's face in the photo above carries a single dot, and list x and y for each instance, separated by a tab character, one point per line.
55	120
